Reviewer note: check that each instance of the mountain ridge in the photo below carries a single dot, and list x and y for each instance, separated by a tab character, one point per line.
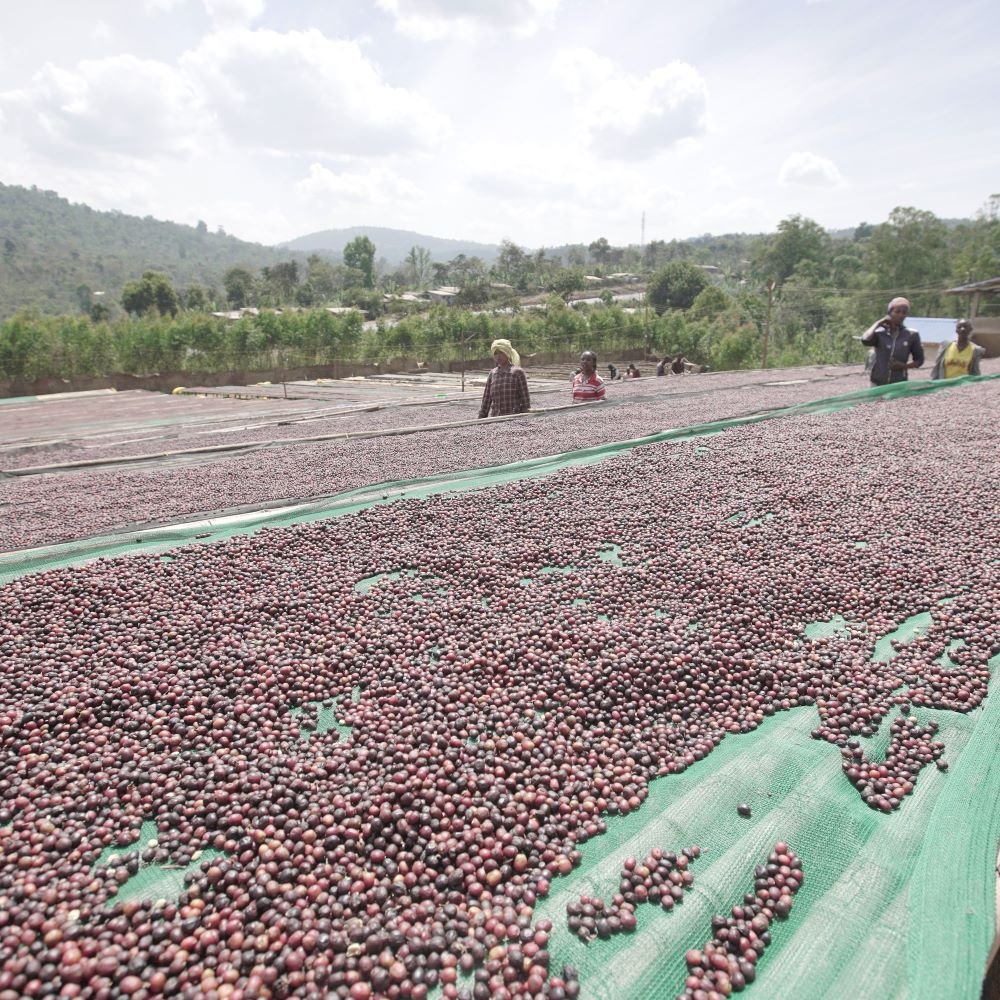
55	254
392	244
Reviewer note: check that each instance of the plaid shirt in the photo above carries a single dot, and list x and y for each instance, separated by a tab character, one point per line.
506	392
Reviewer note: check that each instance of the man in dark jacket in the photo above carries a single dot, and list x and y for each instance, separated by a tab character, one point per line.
897	347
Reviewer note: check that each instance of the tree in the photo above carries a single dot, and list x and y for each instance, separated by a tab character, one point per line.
709	303
798	240
240	286
511	265
196	299
473	294
600	250
281	280
153	291
654	254
464	269
567	281
977	255
418	264
367	300
908	252
675	286
360	254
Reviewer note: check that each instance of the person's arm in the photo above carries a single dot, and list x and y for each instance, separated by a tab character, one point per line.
484	408
599	395
977	353
868	337
917	351
521	388
937	371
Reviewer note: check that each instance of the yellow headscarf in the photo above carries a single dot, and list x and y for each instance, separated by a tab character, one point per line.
504	347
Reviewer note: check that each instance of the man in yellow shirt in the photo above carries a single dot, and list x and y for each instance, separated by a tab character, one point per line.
961	357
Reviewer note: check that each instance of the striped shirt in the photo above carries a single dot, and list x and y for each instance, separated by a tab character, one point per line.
587	390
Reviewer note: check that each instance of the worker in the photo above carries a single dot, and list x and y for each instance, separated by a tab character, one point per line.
960	357
588	386
506	389
897	347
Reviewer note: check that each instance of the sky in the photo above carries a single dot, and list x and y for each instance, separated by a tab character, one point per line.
539	121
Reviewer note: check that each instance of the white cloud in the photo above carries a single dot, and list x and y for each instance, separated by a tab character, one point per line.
430	20
303	92
226	13
721	179
101	32
741	215
378	186
120	106
810	170
158	6
536	173
632	117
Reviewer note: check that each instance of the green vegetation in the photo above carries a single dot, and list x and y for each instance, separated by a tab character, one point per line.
57	257
153	292
707	298
34	346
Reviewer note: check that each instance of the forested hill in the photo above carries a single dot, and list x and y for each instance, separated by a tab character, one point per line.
393	244
54	255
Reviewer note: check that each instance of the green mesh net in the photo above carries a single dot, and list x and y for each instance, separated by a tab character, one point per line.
898	906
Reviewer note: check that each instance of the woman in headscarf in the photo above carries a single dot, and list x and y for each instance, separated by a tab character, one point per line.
897	347
506	386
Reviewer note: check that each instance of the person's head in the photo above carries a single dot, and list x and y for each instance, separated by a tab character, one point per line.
504	354
898	309
963	331
588	363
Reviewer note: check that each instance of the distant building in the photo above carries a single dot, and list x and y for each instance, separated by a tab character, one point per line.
237	314
985	329
444	294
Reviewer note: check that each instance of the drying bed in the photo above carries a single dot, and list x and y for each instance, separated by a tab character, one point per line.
62	504
390	751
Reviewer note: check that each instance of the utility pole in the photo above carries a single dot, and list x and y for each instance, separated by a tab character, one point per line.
466	339
645	303
771	285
